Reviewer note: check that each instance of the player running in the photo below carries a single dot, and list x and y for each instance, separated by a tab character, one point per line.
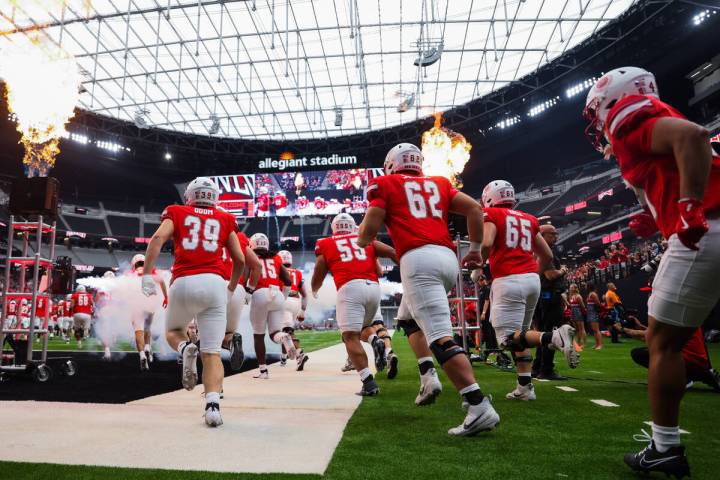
142	319
670	164
295	306
267	309
355	272
198	290
415	210
81	307
511	242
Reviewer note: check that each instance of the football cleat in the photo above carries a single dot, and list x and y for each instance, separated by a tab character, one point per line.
107	356
149	355
237	356
369	388
525	393
283	361
263	375
430	388
479	418
379	349
189	366
348	366
672	462
713	380
287	342
212	415
562	340
392	361
301	361
144	365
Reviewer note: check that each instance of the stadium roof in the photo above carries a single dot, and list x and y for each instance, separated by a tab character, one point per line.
280	69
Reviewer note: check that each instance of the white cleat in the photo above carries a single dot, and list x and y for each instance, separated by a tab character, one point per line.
301	361
479	418
525	393
189	368
212	415
562	340
144	365
107	355
287	342
430	388
149	355
263	375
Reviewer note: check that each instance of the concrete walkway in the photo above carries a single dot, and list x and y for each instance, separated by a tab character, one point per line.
290	423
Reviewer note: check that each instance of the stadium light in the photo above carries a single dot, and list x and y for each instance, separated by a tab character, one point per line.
580	87
702	16
538	109
168	157
111	146
508	122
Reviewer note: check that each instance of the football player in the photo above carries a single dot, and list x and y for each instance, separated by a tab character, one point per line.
670	164
355	272
415	209
295	306
142	320
81	308
511	242
267	308
198	290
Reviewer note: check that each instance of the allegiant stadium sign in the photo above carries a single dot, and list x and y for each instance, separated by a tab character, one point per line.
288	161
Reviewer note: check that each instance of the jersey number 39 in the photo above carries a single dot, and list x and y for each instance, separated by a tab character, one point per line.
210	233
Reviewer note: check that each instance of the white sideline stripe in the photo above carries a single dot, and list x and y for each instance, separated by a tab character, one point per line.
567	389
542	379
291	423
604	403
593	371
681	431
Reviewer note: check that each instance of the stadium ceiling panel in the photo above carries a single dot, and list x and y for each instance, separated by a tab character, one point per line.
281	69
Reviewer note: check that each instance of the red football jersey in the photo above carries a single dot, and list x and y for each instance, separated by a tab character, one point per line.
82	303
199	236
512	251
263	202
280	201
296	277
270	268
629	126
346	260
41	306
416	209
227	259
25	310
12	307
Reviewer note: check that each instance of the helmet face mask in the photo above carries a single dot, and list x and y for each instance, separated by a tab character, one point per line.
259	241
202	192
343	224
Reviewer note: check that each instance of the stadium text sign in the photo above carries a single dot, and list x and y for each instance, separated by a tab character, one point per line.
282	163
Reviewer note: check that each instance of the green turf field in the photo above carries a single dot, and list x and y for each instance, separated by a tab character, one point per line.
561	435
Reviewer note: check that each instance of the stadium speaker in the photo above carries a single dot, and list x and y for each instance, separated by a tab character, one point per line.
63	276
35	196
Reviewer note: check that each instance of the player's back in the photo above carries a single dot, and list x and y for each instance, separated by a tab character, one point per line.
270	272
512	250
199	236
346	260
416	209
296	279
82	303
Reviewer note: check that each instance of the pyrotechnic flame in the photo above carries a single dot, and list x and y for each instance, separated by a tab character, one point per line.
42	90
445	152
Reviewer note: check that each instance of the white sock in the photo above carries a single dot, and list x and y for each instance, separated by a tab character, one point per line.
263	367
212	397
371	338
470	388
181	345
422	360
148	348
388	351
283	356
665	437
142	355
364	373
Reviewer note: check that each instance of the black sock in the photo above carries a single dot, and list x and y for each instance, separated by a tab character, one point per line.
546	339
524	380
370	378
474	397
425	367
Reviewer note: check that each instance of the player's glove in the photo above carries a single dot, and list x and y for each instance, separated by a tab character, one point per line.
148	285
643	224
692	224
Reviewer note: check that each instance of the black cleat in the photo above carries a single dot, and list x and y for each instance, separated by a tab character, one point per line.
551	376
673	462
379	349
713	380
237	356
393	367
369	388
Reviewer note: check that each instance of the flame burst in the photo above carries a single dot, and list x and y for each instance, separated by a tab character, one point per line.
445	152
41	83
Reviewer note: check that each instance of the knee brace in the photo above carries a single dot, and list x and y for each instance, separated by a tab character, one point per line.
516	345
288	330
277	337
522	358
409	326
444	352
381	330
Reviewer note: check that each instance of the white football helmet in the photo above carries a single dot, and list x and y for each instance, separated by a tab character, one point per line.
286	257
137	259
498	192
80	289
343	224
607	91
202	192
109	274
24	301
259	240
403	158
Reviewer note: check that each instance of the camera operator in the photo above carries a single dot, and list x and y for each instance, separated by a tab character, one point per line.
550	307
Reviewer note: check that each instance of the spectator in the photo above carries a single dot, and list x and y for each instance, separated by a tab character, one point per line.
613	305
577	309
593	315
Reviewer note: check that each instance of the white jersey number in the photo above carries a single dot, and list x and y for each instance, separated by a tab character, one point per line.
268	268
82	300
419	205
349	250
518	231
210	234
